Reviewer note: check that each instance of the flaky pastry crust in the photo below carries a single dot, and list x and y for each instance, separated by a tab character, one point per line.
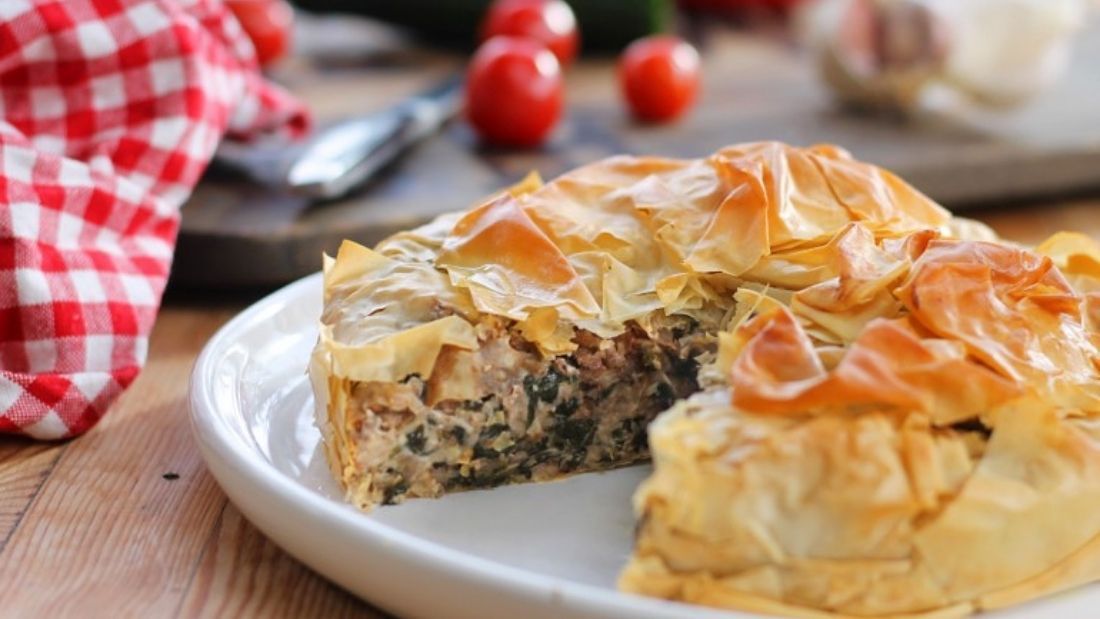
897	412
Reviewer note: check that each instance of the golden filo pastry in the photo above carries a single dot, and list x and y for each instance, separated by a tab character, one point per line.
946	460
863	405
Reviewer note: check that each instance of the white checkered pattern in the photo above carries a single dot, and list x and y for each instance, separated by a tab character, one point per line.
109	111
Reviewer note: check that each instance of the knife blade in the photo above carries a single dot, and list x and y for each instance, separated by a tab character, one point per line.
344	156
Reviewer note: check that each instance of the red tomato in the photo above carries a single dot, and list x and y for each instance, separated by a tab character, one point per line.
267	23
549	21
659	77
513	91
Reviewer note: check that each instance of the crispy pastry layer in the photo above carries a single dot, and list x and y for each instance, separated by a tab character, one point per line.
896	414
946	461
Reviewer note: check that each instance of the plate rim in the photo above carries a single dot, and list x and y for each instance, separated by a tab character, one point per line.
220	446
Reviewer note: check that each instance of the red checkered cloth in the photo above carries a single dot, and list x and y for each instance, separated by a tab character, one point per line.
109	112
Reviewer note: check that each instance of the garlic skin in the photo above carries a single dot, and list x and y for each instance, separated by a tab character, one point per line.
884	53
876	54
1007	51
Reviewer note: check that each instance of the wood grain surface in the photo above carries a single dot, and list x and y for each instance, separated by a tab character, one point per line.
757	86
127	522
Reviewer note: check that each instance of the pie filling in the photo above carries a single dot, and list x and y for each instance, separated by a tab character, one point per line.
538	419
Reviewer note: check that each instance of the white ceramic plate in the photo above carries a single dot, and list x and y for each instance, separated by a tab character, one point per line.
539	550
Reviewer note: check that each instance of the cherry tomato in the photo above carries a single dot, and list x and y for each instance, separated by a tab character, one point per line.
267	23
549	21
659	77
513	91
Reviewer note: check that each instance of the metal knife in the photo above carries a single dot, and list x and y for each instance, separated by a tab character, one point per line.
345	156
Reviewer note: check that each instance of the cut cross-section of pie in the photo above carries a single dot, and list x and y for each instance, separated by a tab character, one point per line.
863	405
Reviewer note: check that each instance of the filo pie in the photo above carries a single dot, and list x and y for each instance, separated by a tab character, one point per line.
863	405
945	460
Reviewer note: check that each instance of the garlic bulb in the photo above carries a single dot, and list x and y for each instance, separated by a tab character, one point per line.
1007	51
883	53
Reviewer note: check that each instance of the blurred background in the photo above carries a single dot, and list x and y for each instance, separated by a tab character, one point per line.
424	106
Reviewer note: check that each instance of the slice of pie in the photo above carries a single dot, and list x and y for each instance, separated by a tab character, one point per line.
873	408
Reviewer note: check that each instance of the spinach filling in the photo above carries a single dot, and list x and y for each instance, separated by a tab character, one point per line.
586	411
569	427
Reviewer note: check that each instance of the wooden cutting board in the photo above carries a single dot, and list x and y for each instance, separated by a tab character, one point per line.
756	87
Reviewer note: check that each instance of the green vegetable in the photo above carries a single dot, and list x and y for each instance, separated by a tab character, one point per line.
543	388
574	435
664	396
492	431
567	408
395	492
416	441
459	434
607	25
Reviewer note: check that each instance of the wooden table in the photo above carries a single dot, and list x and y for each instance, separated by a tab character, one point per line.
126	521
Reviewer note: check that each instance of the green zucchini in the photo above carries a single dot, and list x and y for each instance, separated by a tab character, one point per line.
606	25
